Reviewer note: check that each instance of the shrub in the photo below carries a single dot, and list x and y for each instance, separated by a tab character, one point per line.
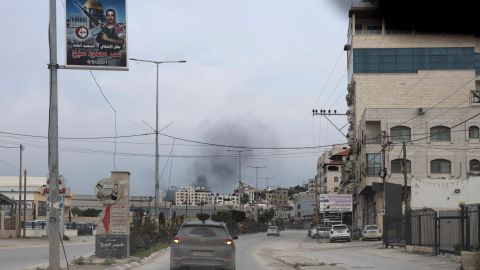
108	261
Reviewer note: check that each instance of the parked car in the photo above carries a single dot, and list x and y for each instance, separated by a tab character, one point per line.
84	229
321	233
355	232
372	232
340	232
273	230
35	224
203	244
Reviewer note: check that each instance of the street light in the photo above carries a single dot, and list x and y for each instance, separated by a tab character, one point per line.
157	180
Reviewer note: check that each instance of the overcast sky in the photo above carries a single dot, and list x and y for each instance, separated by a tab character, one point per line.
255	70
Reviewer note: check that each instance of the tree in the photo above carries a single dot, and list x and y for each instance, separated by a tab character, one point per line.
161	219
238	216
90	212
222	216
203	216
76	211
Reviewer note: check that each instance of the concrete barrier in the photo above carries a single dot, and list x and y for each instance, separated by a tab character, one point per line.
471	260
419	250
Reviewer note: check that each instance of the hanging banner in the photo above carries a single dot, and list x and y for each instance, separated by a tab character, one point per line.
96	34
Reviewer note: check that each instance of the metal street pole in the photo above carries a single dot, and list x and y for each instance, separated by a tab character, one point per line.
157	180
19	212
256	177
24	202
240	188
53	168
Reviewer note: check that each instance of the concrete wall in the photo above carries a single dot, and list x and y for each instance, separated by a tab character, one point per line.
440	193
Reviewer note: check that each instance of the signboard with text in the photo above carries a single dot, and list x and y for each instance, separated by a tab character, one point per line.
336	202
96	34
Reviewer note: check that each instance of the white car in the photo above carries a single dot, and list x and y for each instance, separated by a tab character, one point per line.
273	230
340	232
371	232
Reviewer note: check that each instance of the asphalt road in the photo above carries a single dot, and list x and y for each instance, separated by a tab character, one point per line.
25	256
257	251
247	257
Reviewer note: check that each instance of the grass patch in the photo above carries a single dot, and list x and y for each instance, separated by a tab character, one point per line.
109	261
154	248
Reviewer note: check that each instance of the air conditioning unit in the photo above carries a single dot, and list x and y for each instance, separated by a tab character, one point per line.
420	111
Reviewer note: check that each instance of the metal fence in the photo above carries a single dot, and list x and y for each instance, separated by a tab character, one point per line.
446	231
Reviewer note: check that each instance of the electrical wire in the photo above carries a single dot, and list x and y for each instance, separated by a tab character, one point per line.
79	138
328	79
441	101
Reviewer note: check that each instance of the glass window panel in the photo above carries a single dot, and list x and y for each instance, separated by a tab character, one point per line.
388	51
455	51
374	164
420	51
473	132
439	134
396	166
405	51
440	166
438	51
456	58
388	59
372	51
438	59
405	59
372	59
405	67
474	165
438	66
456	65
357	58
400	133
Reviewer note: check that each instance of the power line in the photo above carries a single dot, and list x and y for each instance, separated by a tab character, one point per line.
79	138
441	101
328	79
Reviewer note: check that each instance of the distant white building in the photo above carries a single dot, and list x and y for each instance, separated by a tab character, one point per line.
193	196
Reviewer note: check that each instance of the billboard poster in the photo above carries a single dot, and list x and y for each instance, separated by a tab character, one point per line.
336	202
96	34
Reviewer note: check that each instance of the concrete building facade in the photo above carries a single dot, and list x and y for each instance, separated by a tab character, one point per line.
193	196
418	88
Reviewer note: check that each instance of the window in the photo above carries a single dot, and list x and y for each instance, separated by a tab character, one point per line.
396	166
475	96
400	133
333	168
474	166
440	166
358	28
440	134
374	164
335	189
335	179
473	132
374	29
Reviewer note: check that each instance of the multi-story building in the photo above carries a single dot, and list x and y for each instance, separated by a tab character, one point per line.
405	86
330	167
228	200
36	199
304	205
277	197
193	196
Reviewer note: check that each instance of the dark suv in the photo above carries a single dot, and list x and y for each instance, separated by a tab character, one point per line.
203	244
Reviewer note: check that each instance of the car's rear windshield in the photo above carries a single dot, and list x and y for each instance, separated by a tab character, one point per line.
203	231
339	227
272	228
372	227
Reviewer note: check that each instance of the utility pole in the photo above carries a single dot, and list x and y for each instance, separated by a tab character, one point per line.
256	176
326	113
53	166
240	187
19	214
405	177
24	202
383	174
157	179
317	204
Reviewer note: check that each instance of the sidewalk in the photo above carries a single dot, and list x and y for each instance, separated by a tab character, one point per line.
39	242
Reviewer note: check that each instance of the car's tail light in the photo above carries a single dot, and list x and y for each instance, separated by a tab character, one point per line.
179	239
348	231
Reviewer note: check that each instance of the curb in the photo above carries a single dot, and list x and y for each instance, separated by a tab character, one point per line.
131	265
